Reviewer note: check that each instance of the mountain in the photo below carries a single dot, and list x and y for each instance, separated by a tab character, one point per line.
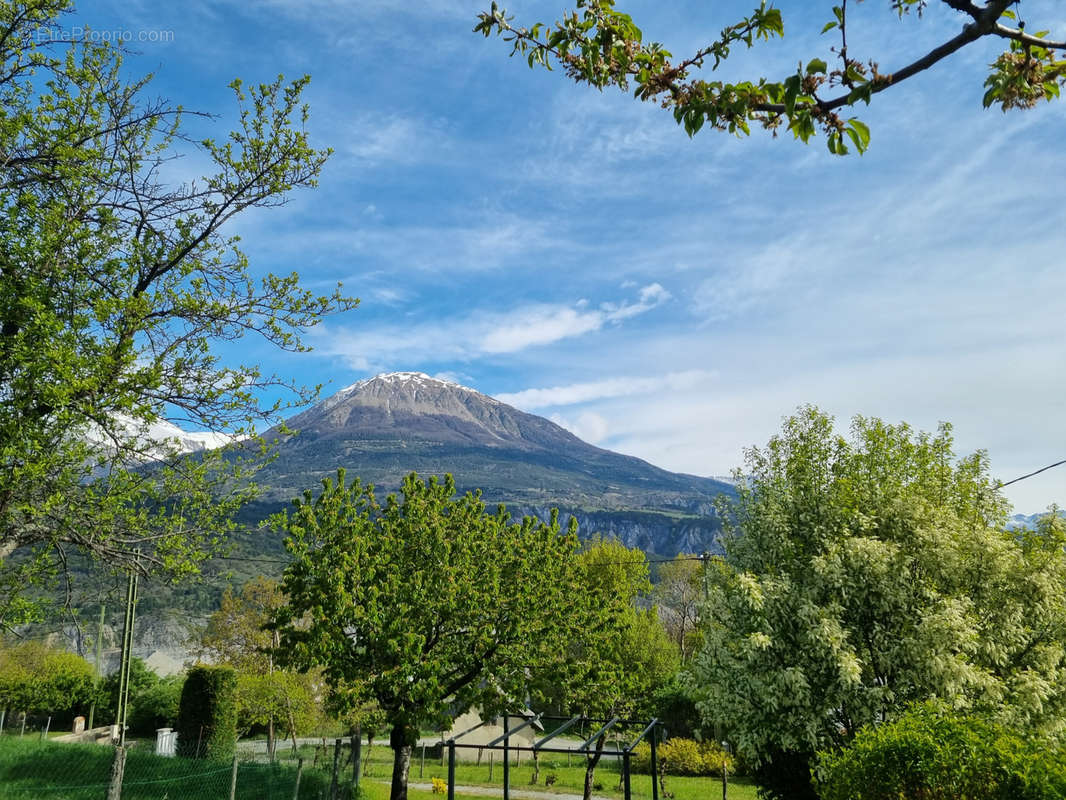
1028	521
384	427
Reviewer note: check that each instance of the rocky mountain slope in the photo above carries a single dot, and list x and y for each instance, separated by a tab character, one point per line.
384	427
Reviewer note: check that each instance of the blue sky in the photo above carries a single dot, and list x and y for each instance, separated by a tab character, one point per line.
577	255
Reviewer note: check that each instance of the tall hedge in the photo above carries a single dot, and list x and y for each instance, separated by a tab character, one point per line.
207	715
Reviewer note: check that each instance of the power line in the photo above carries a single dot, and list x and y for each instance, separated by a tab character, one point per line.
1031	474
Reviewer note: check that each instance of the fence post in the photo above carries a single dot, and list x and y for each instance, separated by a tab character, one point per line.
506	757
118	767
725	769
23	732
44	730
3	714
490	766
422	763
299	772
233	780
357	759
654	768
451	769
333	792
625	774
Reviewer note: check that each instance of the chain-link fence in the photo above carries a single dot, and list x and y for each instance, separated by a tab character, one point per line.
26	725
30	768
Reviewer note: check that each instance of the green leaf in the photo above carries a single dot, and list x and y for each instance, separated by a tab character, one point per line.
860	134
792	89
816	65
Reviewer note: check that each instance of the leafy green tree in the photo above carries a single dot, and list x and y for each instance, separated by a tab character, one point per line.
237	634
865	573
142	680
38	678
612	669
601	46
678	594
281	696
425	604
156	706
114	287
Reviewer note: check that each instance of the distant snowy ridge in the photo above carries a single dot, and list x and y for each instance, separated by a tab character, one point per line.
162	438
1028	521
410	381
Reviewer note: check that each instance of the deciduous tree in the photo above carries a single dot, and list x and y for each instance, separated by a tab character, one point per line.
865	573
34	677
678	594
612	669
601	46
425	603
115	287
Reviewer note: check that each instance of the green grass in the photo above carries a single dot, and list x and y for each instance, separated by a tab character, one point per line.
570	778
50	771
31	769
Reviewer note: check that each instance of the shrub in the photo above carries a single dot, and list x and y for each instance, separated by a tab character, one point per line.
207	716
937	755
157	706
440	786
678	756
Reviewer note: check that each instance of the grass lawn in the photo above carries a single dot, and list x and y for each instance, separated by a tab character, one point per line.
569	779
35	770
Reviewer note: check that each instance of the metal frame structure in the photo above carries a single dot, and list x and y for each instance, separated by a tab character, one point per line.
540	746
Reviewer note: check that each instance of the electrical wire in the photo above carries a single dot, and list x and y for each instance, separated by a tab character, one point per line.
1031	474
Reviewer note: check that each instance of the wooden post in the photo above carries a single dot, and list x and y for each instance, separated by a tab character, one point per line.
233	780
422	763
118	767
23	733
333	789
44	730
3	713
299	772
490	766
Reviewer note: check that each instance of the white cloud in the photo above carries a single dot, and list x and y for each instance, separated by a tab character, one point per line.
538	325
481	333
572	394
587	426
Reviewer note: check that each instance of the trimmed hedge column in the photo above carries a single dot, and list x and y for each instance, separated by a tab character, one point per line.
207	717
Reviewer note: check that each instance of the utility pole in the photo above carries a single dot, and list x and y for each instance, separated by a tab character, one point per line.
96	665
705	557
127	657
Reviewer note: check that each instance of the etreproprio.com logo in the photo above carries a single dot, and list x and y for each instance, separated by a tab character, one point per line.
118	36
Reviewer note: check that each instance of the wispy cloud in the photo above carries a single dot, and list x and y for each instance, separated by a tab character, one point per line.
546	324
481	333
623	386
